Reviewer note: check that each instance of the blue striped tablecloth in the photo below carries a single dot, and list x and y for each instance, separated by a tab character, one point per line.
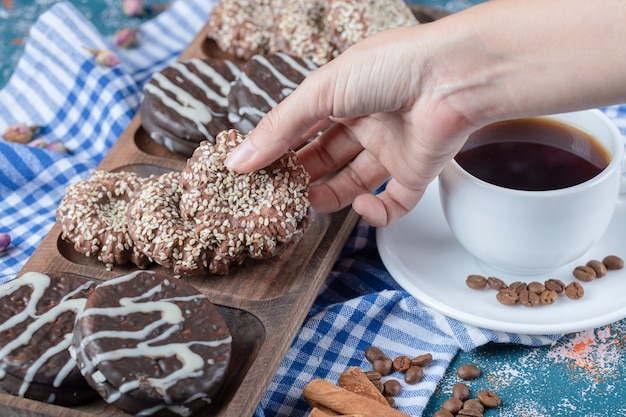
58	85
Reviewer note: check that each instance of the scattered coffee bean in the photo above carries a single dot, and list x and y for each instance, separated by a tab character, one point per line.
392	388
548	297
488	398
379	385
401	363
598	267
422	360
554	284
384	365
536	287
469	413
496	283
452	405
507	296
372	353
529	299
473	404
413	375
468	372
443	413
518	286
390	401
574	291
584	273
373	375
476	282
460	391
613	262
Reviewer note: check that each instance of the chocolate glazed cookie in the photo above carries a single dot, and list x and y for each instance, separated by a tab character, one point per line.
263	82
36	323
186	103
152	345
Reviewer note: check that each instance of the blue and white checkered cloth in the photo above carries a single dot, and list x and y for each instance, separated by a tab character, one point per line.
86	107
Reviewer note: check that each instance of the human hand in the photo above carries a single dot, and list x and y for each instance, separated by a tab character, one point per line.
382	118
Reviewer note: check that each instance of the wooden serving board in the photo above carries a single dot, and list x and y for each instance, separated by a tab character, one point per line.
263	302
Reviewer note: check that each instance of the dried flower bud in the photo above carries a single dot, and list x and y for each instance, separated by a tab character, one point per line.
133	8
125	37
20	133
38	143
57	147
105	57
5	241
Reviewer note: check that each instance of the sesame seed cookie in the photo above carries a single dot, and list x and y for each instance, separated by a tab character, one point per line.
92	215
349	21
254	214
160	230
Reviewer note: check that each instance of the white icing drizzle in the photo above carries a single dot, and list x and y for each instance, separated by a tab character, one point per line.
171	318
40	283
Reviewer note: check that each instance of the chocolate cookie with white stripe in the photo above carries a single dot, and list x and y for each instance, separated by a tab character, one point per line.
36	324
186	103
263	82
152	345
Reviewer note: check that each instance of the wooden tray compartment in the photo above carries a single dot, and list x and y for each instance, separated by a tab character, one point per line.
263	302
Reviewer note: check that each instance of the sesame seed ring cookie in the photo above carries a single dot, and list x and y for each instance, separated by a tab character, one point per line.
160	230
349	21
254	214
92	215
300	30
242	28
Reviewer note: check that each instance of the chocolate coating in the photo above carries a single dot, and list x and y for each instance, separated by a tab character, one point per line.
36	323
92	215
263	82
186	103
152	344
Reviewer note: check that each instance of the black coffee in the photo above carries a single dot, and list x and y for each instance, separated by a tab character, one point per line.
533	154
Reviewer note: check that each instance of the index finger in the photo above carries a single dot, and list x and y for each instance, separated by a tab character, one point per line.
290	123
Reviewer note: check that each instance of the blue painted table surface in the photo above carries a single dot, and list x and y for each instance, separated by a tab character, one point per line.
583	374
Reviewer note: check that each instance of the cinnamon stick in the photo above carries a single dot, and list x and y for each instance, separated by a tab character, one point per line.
327	394
354	380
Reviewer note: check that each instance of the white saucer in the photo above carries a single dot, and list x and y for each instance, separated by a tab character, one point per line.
423	256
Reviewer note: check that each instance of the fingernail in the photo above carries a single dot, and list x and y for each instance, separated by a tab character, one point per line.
242	153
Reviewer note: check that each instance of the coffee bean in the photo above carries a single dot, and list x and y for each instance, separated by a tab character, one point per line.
548	297
390	401
613	262
384	365
518	286
507	296
422	360
460	391
468	412
452	405
536	287
556	285
488	398
413	375
598	267
473	404
476	282
529	299
496	283
392	388
584	273
373	375
401	363
443	413
379	385
372	353
574	291
468	372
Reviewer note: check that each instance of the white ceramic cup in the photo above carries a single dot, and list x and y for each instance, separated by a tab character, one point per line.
533	232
